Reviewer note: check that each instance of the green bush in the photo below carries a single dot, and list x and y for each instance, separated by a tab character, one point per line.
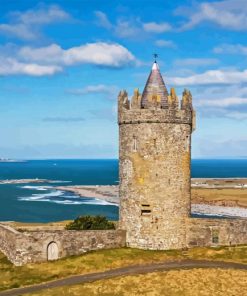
90	223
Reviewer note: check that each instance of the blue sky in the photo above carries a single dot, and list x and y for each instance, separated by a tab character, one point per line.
62	64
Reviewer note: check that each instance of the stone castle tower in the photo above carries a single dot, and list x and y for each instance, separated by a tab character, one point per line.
155	155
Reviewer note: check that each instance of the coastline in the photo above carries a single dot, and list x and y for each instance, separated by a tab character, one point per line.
108	193
210	196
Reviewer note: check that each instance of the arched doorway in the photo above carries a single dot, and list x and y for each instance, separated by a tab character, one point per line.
52	251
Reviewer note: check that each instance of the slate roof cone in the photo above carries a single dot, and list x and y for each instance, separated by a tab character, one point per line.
155	86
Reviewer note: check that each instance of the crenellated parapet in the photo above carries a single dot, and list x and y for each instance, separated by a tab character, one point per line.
136	100
132	111
186	103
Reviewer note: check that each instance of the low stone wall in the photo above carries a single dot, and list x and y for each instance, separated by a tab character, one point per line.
203	232
38	246
8	242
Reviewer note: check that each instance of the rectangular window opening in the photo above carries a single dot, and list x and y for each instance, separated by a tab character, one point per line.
145	209
215	236
146	212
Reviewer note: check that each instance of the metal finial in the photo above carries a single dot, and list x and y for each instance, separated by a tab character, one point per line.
155	57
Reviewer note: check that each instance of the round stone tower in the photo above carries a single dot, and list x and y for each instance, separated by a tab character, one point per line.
154	165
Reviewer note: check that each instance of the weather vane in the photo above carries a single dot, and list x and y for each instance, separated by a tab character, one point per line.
155	57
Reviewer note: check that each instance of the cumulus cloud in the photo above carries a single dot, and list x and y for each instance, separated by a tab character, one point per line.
92	89
154	27
228	14
130	27
52	59
165	43
231	49
99	53
11	66
211	77
42	15
26	25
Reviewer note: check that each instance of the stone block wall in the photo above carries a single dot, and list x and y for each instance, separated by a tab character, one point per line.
27	247
203	232
9	238
154	168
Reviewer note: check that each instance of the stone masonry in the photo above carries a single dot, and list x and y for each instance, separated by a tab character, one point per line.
155	187
155	173
33	246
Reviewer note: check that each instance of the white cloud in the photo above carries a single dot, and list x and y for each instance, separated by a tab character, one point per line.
102	19
211	77
52	59
229	14
91	89
195	62
20	31
45	15
26	25
11	66
165	43
223	103
231	49
99	53
154	27
130	27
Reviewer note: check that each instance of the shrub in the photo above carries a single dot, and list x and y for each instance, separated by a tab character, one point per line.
90	223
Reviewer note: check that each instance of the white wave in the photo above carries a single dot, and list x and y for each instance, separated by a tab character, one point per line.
68	202
96	201
61	197
40	188
42	196
59	181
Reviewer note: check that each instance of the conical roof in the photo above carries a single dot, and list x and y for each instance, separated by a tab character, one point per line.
155	86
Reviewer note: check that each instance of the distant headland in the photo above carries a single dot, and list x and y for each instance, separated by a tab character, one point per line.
11	160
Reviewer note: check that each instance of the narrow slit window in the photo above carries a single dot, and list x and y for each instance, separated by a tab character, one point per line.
134	144
187	143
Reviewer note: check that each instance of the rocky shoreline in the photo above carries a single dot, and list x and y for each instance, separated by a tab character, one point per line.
24	181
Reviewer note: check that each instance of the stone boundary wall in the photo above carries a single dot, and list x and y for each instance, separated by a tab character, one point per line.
9	239
27	247
202	232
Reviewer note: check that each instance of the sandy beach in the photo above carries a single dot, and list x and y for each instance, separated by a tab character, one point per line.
107	193
209	196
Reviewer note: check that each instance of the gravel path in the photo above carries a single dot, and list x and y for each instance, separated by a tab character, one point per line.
129	270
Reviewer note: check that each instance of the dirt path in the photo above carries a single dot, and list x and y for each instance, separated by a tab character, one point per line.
129	270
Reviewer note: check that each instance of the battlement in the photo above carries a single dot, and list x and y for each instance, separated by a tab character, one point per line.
132	111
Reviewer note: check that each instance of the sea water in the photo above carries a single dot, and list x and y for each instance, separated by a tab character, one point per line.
42	202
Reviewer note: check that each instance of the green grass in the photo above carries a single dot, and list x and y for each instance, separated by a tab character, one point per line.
13	276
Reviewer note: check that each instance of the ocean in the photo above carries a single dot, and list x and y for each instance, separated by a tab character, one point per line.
42	203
